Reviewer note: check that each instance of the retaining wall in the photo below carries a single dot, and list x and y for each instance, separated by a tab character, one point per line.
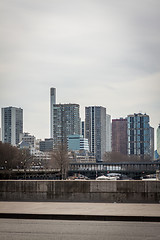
80	191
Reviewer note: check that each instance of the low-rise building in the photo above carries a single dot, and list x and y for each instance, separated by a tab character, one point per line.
28	138
46	145
77	142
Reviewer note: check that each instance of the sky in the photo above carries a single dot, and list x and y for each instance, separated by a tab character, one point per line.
94	52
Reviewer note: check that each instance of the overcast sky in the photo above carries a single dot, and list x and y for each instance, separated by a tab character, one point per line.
94	52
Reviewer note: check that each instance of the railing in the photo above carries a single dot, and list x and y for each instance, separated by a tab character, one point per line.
115	167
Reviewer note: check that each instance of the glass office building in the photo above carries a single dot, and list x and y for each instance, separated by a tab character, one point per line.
77	142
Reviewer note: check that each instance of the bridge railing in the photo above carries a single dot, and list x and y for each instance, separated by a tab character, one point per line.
118	167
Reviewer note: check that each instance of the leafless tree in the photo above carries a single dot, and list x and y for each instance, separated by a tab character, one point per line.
10	157
25	158
114	157
119	157
60	160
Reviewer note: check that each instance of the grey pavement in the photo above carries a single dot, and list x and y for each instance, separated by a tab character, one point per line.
29	229
120	209
81	211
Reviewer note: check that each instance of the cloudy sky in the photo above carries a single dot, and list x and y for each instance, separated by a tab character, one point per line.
94	52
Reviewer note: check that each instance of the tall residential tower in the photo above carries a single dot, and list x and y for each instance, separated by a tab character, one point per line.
95	130
158	140
64	120
108	133
119	136
12	125
138	135
52	102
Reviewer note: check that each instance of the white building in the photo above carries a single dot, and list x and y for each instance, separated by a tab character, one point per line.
39	156
26	137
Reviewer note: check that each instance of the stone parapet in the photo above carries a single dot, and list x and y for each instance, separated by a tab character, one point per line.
80	191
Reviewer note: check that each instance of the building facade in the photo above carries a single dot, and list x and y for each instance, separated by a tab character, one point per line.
95	130
46	145
158	140
28	138
152	143
77	142
52	102
138	135
119	136
66	121
108	133
82	128
12	124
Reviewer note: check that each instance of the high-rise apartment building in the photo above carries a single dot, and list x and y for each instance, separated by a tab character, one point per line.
158	140
64	120
138	135
152	142
119	136
95	130
82	128
12	124
108	133
52	102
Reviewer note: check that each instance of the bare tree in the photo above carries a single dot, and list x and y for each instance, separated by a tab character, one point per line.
25	158
60	160
116	157
10	156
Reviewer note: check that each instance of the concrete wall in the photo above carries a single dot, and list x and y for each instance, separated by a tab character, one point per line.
80	191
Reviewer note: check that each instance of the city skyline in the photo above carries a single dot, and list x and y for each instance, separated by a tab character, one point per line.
101	53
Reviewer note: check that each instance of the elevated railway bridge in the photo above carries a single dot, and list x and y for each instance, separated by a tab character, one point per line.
131	169
91	170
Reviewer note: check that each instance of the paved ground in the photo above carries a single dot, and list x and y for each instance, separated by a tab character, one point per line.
114	209
18	229
38	229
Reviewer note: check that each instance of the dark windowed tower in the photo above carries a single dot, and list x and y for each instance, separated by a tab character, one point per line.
119	136
138	135
95	130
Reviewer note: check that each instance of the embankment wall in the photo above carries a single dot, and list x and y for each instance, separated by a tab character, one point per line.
80	191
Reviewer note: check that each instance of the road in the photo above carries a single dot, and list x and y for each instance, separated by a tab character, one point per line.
13	229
